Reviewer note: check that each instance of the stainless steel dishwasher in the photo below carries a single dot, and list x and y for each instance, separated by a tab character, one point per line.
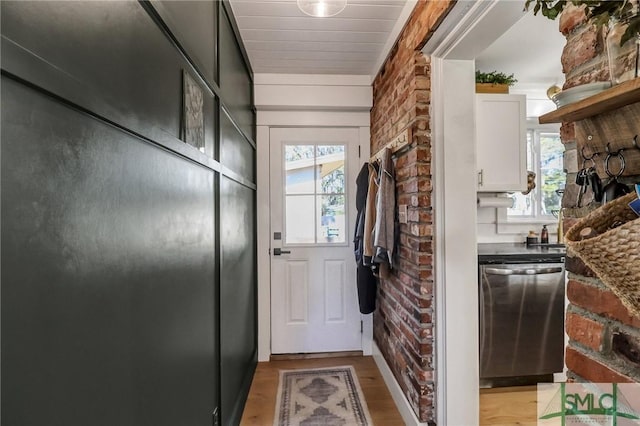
521	294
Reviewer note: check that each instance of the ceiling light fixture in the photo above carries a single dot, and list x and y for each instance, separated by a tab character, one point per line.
322	8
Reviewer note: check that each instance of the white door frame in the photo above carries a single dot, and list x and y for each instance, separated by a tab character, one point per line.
468	29
323	290
265	121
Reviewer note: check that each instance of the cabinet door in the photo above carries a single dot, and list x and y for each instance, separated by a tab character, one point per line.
501	143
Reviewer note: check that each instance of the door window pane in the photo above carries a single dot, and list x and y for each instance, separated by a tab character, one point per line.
315	194
330	168
332	223
299	166
300	219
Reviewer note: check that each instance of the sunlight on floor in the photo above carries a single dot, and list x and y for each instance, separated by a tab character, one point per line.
508	406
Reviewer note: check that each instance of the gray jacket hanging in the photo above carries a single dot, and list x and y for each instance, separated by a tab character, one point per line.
384	231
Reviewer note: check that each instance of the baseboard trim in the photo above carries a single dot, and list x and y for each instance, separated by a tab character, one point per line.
289	357
409	417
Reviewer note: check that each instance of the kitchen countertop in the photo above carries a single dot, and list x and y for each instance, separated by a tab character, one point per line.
519	252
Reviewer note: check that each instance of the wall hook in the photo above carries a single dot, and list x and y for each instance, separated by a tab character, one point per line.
585	158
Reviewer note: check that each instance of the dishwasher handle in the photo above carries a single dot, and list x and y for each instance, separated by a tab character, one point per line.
523	271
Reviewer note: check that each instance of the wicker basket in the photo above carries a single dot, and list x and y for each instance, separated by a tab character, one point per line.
614	254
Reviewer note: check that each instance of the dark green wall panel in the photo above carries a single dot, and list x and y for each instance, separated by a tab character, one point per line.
238	293
236	153
194	24
235	80
108	274
111	47
123	67
111	269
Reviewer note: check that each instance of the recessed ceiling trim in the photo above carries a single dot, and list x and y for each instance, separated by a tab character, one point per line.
313	79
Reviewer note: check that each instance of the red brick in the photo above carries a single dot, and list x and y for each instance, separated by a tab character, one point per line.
593	370
409	187
585	331
401	93
571	17
425	185
415	243
600	301
567	132
423	153
406	172
413	346
580	49
419	215
421	230
422	124
420	201
423	169
426	274
423	110
599	73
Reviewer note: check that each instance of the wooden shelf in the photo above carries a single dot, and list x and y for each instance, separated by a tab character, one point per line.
616	97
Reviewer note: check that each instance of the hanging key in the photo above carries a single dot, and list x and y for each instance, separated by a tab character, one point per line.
580	177
581	181
596	184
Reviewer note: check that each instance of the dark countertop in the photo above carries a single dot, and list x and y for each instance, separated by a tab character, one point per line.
519	252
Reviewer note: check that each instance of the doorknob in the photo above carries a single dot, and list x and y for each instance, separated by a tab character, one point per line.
278	252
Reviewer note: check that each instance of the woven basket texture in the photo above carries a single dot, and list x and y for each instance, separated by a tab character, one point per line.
614	254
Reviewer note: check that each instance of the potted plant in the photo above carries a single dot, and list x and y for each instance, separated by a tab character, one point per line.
493	82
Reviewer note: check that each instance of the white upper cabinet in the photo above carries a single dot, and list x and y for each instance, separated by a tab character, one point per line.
501	142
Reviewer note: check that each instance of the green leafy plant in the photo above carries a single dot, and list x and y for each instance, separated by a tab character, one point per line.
598	12
495	77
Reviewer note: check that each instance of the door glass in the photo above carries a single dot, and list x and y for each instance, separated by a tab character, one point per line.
300	219
299	167
315	194
332	224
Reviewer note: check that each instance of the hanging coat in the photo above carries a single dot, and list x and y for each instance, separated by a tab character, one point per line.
370	215
362	187
366	282
384	232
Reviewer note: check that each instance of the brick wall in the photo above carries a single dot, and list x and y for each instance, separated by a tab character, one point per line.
403	322
604	338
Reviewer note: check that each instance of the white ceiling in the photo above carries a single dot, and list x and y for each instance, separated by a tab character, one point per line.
279	38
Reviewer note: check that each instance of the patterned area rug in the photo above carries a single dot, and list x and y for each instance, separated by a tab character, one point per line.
321	397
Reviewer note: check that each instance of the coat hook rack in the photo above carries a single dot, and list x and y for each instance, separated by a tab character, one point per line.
609	151
397	144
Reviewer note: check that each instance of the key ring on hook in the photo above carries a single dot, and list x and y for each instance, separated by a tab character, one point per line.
585	159
619	154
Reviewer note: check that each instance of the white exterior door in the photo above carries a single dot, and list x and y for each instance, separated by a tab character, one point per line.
314	304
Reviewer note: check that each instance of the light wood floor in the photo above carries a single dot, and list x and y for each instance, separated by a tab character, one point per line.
498	406
508	406
261	404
